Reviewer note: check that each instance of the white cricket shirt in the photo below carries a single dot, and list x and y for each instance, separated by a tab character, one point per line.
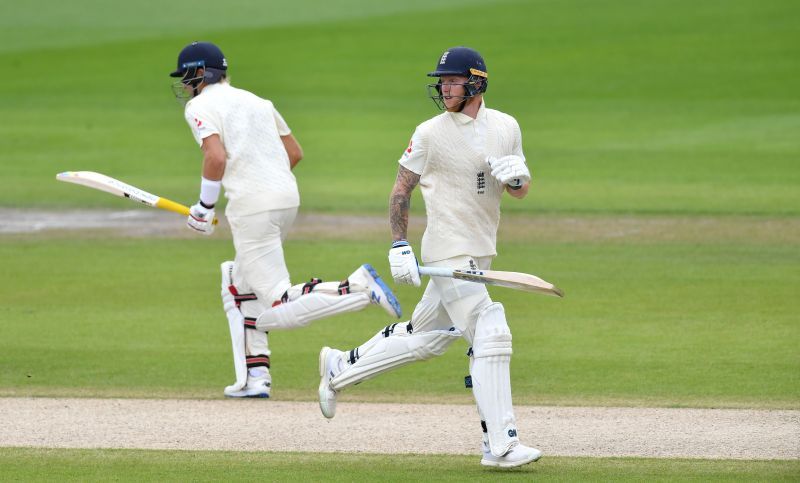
462	199
472	130
257	174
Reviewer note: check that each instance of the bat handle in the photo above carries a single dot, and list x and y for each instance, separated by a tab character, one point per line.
436	271
170	205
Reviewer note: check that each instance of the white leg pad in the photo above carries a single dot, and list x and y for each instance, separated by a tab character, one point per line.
236	326
491	378
308	308
389	331
395	351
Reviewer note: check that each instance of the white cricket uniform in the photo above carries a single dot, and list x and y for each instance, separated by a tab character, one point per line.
462	202
262	191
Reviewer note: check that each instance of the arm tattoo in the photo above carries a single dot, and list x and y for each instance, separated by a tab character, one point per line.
400	202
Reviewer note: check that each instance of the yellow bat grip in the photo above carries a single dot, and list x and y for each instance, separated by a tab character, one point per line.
170	205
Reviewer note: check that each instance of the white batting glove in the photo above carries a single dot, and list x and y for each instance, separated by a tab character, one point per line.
201	219
510	170
405	268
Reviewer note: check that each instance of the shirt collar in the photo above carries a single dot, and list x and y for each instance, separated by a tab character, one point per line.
462	118
214	86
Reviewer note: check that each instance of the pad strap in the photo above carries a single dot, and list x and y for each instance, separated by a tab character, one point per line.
260	360
239	298
309	286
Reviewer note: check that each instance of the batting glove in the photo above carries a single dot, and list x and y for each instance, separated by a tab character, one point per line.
510	170
405	268
201	218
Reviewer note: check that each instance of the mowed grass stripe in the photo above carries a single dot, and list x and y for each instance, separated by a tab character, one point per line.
28	224
137	465
710	325
625	107
56	26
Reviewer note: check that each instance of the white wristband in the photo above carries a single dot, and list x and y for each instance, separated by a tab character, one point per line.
209	191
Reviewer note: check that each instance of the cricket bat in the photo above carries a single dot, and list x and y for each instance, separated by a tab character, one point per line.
515	280
118	188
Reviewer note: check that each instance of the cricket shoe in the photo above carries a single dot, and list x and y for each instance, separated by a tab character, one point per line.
259	384
366	279
518	455
330	361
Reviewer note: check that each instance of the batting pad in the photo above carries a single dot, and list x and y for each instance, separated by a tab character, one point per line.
308	308
236	326
491	378
395	351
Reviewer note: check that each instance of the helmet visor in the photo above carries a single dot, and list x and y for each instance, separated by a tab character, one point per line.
186	88
437	96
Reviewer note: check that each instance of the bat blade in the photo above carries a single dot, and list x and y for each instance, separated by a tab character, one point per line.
116	187
515	280
109	185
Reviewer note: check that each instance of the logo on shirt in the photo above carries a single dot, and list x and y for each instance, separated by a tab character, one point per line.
198	122
481	182
407	153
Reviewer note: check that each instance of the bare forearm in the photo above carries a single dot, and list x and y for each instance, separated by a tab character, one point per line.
398	216
400	202
293	149
214	158
213	167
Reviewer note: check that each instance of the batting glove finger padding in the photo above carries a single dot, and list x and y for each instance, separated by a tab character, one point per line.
201	219
510	170
403	263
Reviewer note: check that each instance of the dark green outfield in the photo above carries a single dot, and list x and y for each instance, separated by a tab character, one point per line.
139	465
645	324
625	106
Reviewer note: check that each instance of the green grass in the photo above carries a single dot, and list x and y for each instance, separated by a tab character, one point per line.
626	107
140	465
642	324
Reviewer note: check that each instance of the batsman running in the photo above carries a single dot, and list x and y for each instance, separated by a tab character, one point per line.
463	160
250	151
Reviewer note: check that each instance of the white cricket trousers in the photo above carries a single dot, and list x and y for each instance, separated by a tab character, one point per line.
448	302
259	264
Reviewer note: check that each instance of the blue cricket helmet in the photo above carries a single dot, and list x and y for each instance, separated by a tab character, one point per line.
203	55
461	61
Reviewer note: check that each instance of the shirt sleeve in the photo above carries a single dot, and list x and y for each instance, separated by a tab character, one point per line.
283	128
416	154
518	142
201	124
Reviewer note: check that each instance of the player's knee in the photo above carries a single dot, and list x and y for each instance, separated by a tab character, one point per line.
436	343
399	328
492	334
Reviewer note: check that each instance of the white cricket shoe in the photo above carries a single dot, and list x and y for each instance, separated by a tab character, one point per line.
518	455
366	279
258	385
329	367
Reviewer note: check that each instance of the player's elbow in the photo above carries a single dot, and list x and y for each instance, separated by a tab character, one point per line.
295	155
293	149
